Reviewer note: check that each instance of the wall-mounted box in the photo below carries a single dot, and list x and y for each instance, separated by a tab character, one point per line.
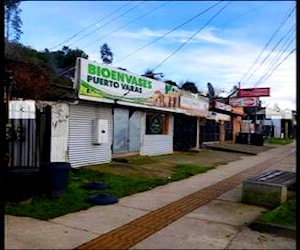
100	131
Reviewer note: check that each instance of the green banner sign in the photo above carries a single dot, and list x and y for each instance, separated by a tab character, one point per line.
101	81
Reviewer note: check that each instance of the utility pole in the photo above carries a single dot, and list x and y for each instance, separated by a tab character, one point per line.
6	94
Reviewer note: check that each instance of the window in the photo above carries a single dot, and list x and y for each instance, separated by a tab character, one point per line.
157	123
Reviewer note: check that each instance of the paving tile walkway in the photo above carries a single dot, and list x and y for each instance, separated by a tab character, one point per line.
130	234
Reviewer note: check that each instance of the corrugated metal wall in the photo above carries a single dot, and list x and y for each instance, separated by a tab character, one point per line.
81	149
157	144
23	142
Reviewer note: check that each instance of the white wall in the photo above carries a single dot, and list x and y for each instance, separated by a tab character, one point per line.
157	144
59	132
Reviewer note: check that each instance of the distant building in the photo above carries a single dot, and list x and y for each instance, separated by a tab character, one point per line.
273	122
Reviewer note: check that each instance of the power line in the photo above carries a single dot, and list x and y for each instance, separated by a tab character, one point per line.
132	21
278	55
151	11
163	35
109	22
263	61
169	32
91	25
242	14
191	37
68	70
270	40
267	72
283	60
34	66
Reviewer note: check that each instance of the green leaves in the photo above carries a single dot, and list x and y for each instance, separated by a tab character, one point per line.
13	19
106	54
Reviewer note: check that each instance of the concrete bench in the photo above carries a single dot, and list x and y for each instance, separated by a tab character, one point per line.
269	189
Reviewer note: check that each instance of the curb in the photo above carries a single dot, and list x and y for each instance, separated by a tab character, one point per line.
272	228
228	150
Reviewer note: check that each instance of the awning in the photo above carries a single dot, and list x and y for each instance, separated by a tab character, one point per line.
171	110
203	114
219	116
196	113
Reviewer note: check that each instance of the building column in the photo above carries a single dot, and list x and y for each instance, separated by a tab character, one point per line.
286	129
222	132
198	132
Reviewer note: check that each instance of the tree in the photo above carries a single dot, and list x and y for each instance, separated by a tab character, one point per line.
106	54
37	75
190	86
12	19
64	59
70	55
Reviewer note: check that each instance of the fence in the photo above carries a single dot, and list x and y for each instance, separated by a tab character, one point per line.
28	140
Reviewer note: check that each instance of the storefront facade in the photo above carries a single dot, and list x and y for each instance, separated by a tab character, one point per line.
187	126
119	113
219	126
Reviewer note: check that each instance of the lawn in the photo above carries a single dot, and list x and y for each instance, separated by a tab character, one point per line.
119	185
284	215
280	141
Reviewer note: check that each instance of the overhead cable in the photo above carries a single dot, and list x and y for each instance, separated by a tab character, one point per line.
126	24
109	22
242	14
149	12
271	69
191	37
283	60
169	32
269	54
91	25
263	50
277	57
67	70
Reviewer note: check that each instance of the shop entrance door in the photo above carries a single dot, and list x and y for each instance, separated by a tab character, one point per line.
126	130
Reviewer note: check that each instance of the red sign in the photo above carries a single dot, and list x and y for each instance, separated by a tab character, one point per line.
244	102
254	92
221	106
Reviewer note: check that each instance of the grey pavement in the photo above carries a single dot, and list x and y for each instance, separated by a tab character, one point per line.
219	224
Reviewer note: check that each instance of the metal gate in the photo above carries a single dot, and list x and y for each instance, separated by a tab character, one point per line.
135	118
126	130
28	140
185	132
228	131
211	131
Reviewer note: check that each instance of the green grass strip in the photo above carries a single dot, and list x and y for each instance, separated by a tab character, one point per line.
43	207
279	141
284	215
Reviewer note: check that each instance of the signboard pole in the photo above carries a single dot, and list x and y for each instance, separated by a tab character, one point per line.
255	118
198	132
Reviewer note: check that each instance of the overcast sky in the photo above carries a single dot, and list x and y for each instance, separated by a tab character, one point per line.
223	43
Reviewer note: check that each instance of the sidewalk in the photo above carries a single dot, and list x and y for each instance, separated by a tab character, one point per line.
202	212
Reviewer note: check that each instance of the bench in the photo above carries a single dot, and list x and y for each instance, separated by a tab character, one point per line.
269	189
